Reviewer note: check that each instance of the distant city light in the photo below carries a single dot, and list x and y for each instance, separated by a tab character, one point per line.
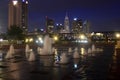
99	34
75	66
42	29
82	37
23	0
75	19
15	2
37	41
26	2
60	24
31	39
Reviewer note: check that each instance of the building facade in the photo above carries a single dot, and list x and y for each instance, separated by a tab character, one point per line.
77	26
18	14
49	25
86	27
66	24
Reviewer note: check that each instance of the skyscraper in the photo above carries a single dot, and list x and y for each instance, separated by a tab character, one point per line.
18	14
86	26
77	25
49	25
66	24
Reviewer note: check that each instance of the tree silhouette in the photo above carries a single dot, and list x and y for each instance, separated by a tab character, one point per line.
15	33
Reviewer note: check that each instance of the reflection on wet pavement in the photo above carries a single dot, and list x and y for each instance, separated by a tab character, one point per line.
85	68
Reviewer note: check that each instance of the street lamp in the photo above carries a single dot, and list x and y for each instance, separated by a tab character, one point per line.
55	38
117	35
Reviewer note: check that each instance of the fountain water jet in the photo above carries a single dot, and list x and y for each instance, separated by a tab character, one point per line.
69	51
27	50
89	50
76	54
63	59
8	55
93	48
31	56
10	52
47	46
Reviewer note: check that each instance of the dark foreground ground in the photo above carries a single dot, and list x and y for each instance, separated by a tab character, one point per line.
97	66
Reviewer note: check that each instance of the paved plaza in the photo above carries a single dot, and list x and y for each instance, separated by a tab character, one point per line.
96	66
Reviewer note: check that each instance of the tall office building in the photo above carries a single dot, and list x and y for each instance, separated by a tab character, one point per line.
59	28
77	25
66	24
86	26
18	14
49	25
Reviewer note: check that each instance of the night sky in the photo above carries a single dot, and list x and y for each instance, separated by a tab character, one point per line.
103	15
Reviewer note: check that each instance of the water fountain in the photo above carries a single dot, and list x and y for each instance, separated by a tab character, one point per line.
76	54
56	52
8	55
31	56
69	51
27	50
93	48
39	50
63	59
89	50
53	50
10	52
47	46
11	49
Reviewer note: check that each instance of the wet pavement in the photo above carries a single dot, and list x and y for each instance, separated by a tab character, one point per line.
97	66
114	72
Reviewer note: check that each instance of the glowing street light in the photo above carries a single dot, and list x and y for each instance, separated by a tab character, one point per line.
118	35
82	37
26	40
75	19
55	38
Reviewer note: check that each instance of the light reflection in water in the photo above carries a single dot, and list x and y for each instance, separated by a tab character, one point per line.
82	51
75	66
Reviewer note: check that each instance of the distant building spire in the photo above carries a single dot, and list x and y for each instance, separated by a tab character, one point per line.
66	24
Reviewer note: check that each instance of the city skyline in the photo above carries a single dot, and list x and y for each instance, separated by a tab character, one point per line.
103	15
